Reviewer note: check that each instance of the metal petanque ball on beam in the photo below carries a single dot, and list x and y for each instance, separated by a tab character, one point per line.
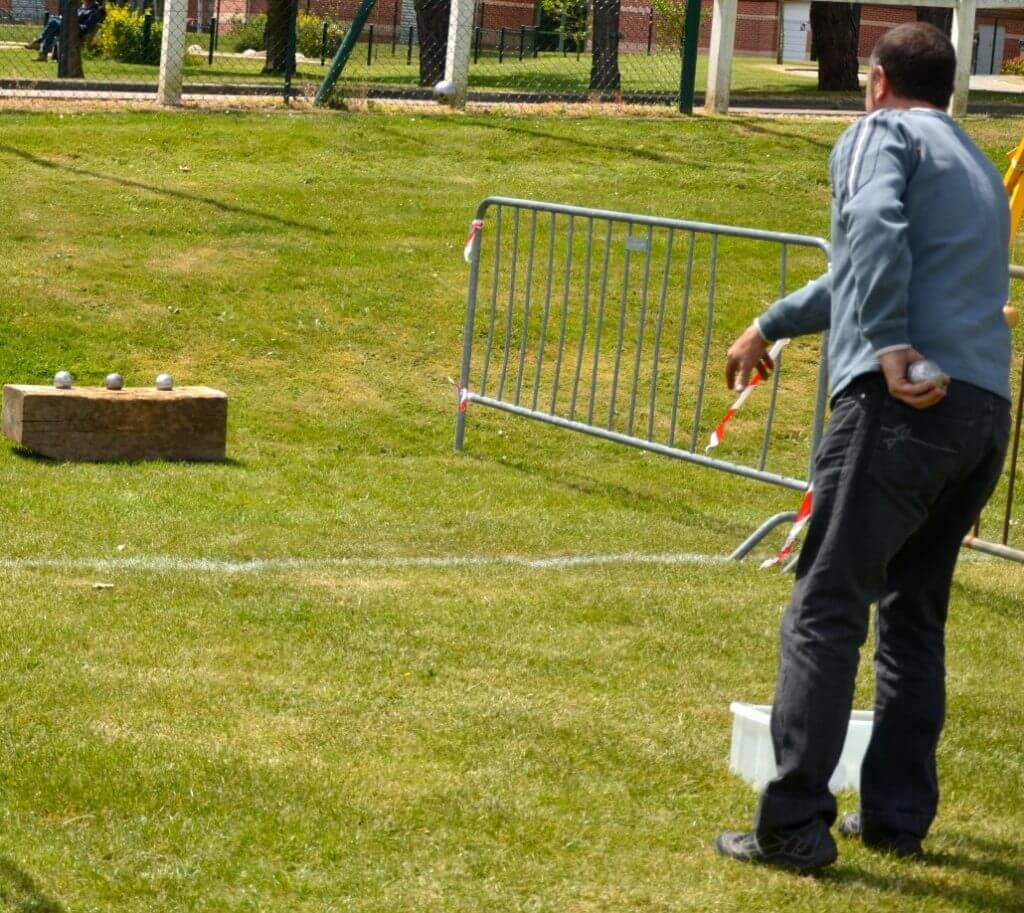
103	424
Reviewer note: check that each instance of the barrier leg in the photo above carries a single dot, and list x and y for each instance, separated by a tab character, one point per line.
760	533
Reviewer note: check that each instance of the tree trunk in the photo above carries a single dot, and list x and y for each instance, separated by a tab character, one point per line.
69	61
940	18
432	28
604	58
834	30
275	37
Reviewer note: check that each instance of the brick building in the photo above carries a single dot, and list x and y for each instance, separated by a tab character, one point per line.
760	23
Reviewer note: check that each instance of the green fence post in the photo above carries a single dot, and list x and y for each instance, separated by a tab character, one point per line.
213	40
147	31
688	73
344	50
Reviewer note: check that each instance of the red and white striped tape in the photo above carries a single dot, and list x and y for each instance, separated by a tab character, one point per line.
719	433
717	436
475	227
799	522
461	393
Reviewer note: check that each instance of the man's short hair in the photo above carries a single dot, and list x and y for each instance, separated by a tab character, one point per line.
919	62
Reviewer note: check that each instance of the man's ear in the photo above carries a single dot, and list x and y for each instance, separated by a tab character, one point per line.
880	87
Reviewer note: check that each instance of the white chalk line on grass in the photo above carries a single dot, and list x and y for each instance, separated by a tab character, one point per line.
271	565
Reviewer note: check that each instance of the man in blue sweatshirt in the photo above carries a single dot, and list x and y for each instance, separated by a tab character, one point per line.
920	231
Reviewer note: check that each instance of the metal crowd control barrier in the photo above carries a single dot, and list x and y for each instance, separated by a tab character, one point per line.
604	322
1003	503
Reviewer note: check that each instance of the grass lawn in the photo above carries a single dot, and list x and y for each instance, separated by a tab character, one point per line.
352	733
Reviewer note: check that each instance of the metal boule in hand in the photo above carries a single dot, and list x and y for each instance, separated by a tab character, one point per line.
925	370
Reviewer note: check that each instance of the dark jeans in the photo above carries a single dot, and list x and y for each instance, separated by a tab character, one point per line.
50	34
895	491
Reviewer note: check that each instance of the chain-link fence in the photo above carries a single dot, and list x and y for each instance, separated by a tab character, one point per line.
519	50
94	49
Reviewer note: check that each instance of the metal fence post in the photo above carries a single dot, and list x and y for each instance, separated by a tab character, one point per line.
501	46
369	46
147	33
172	52
408	55
688	71
323	43
522	40
344	50
213	40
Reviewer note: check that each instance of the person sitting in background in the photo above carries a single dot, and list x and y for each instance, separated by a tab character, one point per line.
90	14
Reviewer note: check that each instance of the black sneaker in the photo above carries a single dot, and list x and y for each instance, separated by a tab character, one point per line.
906	846
804	850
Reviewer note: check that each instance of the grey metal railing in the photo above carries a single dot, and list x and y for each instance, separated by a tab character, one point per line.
564	326
605	322
1002	509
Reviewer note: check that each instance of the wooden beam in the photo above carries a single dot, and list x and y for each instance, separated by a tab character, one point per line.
98	425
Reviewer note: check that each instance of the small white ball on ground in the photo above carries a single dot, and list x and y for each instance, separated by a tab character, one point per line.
114	382
164	382
63	380
445	89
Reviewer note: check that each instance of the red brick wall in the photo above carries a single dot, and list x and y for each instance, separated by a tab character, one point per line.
756	22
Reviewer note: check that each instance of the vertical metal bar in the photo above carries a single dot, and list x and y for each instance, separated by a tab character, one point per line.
511	305
408	51
622	326
641	327
600	322
213	41
766	439
369	46
545	313
702	378
494	301
1013	458
467	338
681	341
656	356
583	319
526	311
566	282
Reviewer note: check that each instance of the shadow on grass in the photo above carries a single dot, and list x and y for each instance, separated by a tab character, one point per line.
20	894
30	456
794	134
220	205
991	859
576	142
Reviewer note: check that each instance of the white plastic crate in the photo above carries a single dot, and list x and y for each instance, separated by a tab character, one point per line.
753	758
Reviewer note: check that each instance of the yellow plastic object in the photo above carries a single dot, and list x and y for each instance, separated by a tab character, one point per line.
1014	183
